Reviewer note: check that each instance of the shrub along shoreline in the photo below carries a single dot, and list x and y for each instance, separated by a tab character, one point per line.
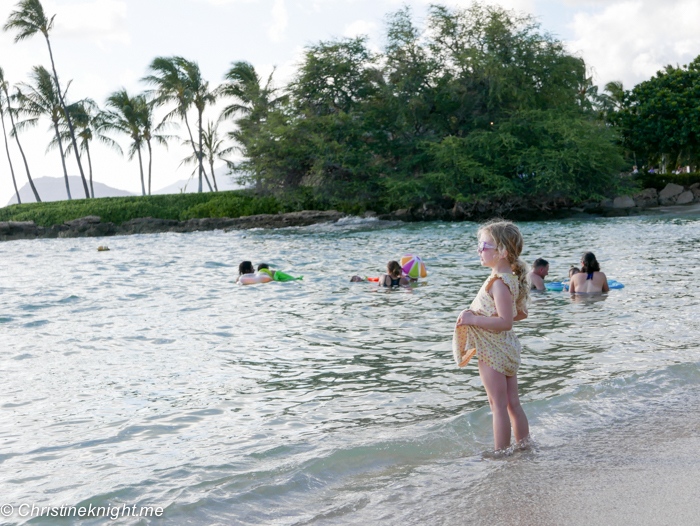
245	209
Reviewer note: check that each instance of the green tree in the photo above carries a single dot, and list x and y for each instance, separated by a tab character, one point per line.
405	125
126	116
660	117
28	19
86	117
180	81
3	107
4	86
41	99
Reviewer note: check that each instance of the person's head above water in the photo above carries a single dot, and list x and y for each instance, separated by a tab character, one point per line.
541	267
262	266
573	270
509	245
393	269
246	267
589	263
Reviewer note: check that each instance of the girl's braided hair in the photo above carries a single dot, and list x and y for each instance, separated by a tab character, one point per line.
509	242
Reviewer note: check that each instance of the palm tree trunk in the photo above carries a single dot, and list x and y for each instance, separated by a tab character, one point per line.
200	157
213	178
24	158
9	159
150	164
206	178
63	159
87	150
70	124
143	186
194	148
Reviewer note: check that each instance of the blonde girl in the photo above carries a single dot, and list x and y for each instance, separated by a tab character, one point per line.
485	329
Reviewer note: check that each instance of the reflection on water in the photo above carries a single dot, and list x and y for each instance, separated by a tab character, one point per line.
145	375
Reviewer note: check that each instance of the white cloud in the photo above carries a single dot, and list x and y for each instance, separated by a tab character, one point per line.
527	6
359	28
632	40
99	21
279	21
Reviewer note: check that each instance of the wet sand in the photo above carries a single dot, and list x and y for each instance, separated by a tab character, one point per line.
642	472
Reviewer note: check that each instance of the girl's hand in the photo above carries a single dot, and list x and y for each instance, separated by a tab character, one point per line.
522	314
467	317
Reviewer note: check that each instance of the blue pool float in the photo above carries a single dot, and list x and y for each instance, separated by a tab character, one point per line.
564	285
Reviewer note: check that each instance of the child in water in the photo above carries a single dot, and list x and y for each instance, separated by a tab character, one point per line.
485	329
246	267
393	276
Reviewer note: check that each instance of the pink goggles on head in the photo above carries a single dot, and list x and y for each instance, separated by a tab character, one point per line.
483	245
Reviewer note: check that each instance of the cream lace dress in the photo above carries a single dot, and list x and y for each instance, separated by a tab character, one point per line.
499	350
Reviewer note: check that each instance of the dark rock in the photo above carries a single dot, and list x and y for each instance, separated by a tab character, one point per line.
623	201
685	198
147	225
668	195
402	214
646	198
10	230
82	221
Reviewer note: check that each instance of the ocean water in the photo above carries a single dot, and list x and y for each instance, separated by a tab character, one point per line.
145	376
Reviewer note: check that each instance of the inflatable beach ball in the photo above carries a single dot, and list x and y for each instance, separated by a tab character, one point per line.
413	267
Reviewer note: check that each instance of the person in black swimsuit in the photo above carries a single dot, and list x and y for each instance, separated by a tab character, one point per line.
393	276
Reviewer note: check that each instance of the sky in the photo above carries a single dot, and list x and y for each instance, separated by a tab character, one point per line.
104	45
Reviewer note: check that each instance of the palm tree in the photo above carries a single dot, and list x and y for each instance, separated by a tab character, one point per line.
4	86
152	134
180	81
7	147
253	103
29	19
614	92
127	117
41	100
86	117
253	99
213	150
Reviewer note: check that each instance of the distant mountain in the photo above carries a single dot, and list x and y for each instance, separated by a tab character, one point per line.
191	185
54	189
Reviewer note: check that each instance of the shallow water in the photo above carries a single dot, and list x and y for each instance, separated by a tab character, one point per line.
145	375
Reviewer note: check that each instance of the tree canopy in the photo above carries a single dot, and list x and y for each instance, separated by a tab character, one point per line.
476	102
660	117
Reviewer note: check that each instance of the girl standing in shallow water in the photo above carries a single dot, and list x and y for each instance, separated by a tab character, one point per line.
485	329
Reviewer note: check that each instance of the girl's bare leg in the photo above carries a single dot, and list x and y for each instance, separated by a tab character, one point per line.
497	391
521	428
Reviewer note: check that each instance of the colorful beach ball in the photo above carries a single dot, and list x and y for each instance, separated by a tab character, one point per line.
413	267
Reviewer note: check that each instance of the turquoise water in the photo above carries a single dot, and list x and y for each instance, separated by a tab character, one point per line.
145	375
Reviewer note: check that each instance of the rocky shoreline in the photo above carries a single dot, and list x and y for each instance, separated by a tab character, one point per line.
514	208
553	208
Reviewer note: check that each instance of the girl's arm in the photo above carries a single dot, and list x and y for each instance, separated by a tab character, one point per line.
572	286
503	321
521	315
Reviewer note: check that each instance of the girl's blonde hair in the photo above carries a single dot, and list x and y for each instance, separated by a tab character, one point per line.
509	242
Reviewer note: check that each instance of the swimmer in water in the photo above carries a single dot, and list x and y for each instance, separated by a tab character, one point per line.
590	280
394	276
540	269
